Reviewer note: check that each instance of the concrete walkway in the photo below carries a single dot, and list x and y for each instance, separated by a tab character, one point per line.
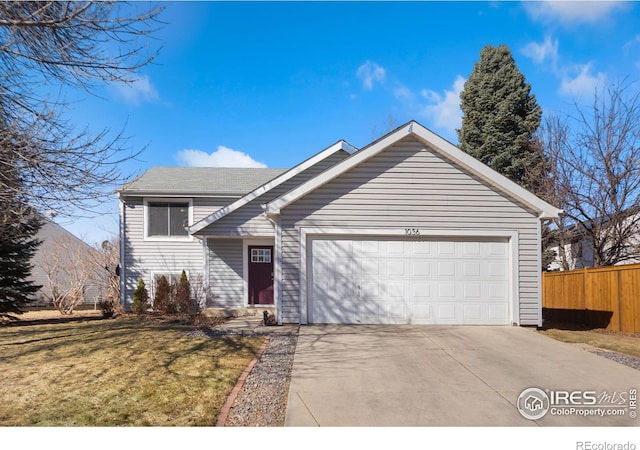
371	375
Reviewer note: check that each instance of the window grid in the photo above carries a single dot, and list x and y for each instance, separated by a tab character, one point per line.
260	255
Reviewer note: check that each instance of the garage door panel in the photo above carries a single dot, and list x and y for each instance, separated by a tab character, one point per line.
446	281
472	291
420	268
394	268
420	291
446	268
471	269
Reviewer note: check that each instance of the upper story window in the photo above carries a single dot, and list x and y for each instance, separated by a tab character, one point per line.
167	219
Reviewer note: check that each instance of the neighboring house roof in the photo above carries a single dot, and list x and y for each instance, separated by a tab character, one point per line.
338	146
436	144
48	235
198	181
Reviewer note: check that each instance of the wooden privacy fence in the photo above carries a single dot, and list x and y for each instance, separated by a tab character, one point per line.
601	297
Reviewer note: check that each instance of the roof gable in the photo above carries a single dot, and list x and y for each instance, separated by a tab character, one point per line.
436	144
261	190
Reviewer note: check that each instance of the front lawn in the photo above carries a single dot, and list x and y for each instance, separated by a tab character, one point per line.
626	343
112	372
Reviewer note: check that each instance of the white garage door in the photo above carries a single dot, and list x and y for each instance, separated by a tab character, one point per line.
443	281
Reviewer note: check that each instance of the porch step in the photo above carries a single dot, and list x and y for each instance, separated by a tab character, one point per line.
256	311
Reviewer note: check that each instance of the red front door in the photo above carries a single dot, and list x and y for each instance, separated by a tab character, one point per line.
261	275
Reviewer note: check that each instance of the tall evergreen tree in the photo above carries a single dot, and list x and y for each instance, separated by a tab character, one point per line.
500	116
18	227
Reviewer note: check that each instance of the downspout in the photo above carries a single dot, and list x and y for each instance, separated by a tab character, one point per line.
205	279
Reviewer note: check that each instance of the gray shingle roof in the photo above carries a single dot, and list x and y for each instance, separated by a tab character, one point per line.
199	180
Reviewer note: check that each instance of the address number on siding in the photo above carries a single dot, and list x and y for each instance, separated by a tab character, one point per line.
411	232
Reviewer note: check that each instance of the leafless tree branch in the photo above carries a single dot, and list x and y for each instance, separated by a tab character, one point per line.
48	46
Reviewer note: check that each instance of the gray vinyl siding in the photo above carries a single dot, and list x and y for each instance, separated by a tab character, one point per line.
249	220
142	258
407	187
226	283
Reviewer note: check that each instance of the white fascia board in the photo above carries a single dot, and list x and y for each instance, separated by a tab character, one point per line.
310	162
274	207
435	143
169	194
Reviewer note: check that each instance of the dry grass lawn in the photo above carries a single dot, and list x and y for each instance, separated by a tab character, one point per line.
626	343
115	372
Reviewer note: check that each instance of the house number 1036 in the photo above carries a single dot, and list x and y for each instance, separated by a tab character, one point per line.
411	231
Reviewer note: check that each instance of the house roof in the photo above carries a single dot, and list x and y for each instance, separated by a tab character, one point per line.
199	181
266	187
436	144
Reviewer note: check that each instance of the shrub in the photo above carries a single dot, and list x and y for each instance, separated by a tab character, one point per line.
184	302
140	303
164	300
107	307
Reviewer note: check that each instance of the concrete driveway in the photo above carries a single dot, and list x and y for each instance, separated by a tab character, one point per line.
405	375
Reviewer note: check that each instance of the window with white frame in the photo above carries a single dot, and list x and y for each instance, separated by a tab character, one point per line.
260	255
173	278
167	219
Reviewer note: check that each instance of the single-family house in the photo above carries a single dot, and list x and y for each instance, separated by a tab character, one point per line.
62	262
408	229
577	251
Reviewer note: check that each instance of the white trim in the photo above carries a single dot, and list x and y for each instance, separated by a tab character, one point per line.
222	212
122	225
125	194
436	144
514	279
539	274
205	265
246	242
152	274
145	220
512	247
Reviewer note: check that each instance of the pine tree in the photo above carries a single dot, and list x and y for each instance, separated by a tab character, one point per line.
185	303
500	116
140	298
162	300
19	226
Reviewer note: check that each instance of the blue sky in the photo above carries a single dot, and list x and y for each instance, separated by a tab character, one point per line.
272	83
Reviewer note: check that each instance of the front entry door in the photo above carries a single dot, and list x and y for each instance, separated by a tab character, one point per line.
261	275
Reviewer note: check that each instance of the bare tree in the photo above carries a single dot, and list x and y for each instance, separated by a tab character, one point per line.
47	46
595	163
390	124
106	273
70	268
550	143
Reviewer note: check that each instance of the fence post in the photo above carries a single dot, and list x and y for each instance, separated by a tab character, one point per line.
619	294
584	287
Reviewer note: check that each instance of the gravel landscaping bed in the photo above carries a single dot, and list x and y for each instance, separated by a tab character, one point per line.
263	399
627	360
262	402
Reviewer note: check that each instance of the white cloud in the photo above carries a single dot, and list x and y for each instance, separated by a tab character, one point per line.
548	50
369	73
572	12
403	93
222	157
138	91
582	84
443	110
